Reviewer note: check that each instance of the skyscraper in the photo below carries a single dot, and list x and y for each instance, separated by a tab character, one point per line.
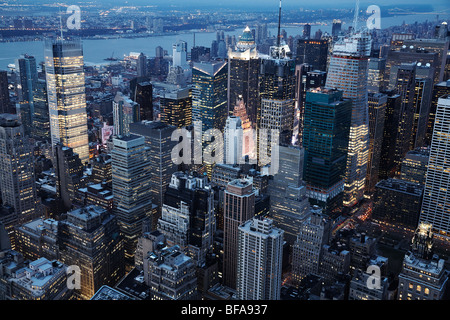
422	104
289	204
170	274
68	173
243	67
391	122
260	254
159	149
325	139
336	28
233	140
313	52
375	77
404	86
179	55
17	178
125	112
143	96
348	71
90	239
141	65
435	208
5	103
27	88
419	260
277	92
188	215
41	121
176	107
209	94
377	111
131	189
66	95
209	102
313	234
440	89
239	206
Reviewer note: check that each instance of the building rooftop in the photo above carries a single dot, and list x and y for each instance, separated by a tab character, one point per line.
401	186
108	293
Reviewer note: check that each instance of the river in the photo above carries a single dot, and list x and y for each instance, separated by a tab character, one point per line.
96	50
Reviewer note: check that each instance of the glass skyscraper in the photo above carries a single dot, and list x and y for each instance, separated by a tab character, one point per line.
66	95
325	139
348	72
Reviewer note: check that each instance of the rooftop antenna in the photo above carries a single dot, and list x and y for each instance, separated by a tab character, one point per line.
279	24
60	24
355	19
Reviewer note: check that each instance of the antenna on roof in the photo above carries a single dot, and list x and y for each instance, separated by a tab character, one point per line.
355	19
279	24
60	24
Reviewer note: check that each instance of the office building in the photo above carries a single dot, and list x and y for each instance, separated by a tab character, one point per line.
209	103
5	102
362	248
313	52
141	65
170	274
102	170
17	177
414	166
176	107
96	195
314	232
277	91
375	76
125	112
336	27
397	203
260	255
38	238
233	141
243	68
334	261
377	110
388	165
143	96
422	102
434	207
41	120
27	88
423	275
306	31
209	94
131	190
404	86
41	279
90	239
289	204
66	95
159	149
239	206
325	139
68	173
348	71
440	89
188	215
360	291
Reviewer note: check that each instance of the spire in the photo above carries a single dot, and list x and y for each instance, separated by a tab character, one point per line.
355	19
279	25
60	25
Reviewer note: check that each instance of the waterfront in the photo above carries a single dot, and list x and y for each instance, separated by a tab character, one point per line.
96	50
